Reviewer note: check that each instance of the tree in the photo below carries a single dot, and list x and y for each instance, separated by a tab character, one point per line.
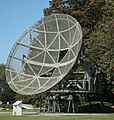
87	12
96	19
37	100
99	46
6	94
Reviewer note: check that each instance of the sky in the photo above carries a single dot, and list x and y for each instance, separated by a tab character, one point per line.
15	17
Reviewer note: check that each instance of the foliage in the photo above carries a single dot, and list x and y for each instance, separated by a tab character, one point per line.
87	12
96	19
6	94
36	100
6	106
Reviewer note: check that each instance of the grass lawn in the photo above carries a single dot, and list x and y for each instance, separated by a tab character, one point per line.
70	117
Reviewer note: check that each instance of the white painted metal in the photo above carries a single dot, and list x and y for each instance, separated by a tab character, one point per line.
17	108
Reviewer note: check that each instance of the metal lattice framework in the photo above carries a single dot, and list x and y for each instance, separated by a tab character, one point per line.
44	54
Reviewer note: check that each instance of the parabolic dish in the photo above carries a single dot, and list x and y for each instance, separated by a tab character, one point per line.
44	54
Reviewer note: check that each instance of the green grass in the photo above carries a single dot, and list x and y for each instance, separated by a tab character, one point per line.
73	117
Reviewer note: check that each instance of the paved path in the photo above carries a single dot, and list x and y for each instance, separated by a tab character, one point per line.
51	114
56	114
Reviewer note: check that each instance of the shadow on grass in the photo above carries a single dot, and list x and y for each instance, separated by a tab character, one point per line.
96	108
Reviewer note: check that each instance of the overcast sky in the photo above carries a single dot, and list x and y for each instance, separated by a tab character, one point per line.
15	17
